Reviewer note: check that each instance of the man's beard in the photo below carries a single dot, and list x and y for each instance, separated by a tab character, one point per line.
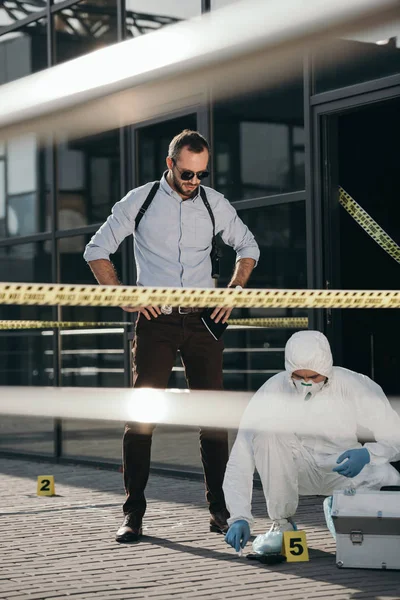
179	188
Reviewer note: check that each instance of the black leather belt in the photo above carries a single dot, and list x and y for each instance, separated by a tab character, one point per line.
185	310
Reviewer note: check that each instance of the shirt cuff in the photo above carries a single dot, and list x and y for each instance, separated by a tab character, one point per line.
95	253
249	252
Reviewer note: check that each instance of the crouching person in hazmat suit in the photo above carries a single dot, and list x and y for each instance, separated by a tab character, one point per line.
300	432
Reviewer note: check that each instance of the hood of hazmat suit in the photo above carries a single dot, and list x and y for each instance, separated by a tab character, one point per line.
309	350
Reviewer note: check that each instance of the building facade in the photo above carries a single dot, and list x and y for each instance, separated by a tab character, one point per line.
279	155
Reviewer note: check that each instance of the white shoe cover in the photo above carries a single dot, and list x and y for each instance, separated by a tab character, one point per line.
271	542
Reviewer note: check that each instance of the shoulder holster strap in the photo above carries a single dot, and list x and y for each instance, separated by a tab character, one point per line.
154	191
215	252
208	207
146	203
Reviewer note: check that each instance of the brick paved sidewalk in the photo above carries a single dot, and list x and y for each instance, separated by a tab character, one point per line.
63	547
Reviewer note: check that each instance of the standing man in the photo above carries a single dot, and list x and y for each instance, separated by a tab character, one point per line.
172	248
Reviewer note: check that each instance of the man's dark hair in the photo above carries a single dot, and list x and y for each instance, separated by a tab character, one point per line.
193	140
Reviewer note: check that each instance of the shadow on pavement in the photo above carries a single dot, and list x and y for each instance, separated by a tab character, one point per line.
159	488
321	568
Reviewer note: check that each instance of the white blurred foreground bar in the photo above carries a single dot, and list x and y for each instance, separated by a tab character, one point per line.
193	408
146	405
243	46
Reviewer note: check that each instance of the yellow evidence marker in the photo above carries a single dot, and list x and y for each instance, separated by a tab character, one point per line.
294	546
45	485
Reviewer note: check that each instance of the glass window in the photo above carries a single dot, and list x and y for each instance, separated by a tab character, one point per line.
152	146
144	16
101	441
173	446
3	196
75	270
26	434
95	440
24	200
21	167
24	207
254	355
23	52
12	11
89	357
84	27
88	180
280	231
259	143
371	54
26	263
92	357
26	358
220	3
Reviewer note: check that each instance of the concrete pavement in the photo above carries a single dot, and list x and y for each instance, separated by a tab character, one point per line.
63	547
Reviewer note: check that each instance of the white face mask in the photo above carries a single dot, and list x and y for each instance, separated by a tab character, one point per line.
309	389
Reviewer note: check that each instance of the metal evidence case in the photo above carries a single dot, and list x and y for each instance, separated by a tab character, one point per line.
367	527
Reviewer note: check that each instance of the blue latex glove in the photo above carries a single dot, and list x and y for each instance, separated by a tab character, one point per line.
238	535
356	461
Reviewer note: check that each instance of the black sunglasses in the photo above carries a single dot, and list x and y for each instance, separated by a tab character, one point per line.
188	175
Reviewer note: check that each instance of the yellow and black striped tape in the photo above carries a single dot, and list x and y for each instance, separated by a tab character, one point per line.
272	322
30	324
370	226
278	322
88	295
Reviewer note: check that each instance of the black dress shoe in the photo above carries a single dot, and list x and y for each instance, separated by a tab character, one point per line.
130	530
218	521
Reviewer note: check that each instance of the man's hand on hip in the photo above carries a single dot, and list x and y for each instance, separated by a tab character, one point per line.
105	274
221	314
147	311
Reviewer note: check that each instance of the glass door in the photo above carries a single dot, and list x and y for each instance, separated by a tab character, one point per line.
359	155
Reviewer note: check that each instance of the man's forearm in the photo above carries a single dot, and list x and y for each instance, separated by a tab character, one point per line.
242	272
104	272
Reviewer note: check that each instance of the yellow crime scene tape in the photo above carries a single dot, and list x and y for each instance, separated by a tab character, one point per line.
43	294
26	324
270	322
369	225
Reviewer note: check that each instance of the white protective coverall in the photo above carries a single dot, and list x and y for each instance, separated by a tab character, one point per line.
291	463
